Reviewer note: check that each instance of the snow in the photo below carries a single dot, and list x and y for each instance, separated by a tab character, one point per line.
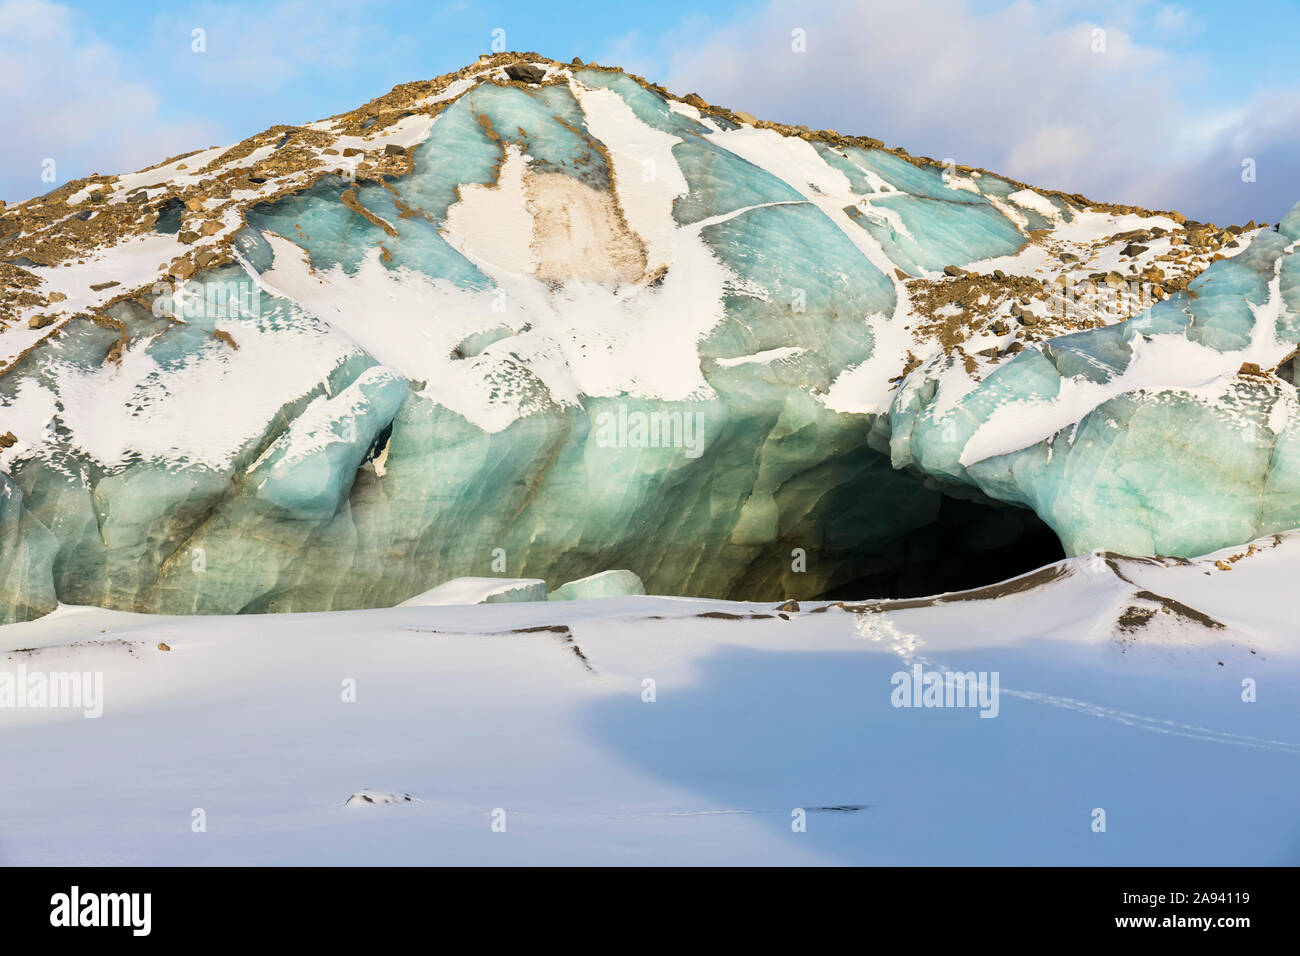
167	422
1038	203
130	263
1176	363
634	731
480	591
171	172
762	358
646	176
492	225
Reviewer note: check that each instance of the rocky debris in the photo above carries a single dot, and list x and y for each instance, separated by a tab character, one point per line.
364	798
349	199
743	117
792	606
8	439
164	646
965	306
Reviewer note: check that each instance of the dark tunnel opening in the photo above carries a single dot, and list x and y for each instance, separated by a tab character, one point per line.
970	544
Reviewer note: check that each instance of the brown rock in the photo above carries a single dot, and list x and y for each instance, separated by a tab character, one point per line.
525	72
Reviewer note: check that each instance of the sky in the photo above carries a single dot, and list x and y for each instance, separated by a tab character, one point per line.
1192	106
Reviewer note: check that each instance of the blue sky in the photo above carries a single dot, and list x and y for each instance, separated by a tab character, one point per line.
1164	114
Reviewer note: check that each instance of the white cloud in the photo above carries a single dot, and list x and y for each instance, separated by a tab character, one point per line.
1173	19
66	96
1209	180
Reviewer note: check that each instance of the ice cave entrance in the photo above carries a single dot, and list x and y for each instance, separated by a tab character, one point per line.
970	544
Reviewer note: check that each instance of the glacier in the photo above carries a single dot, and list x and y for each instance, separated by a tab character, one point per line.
541	330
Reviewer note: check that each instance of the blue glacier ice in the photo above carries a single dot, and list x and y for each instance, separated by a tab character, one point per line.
1165	447
397	390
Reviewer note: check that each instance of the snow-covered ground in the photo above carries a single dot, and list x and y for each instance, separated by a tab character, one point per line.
670	731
